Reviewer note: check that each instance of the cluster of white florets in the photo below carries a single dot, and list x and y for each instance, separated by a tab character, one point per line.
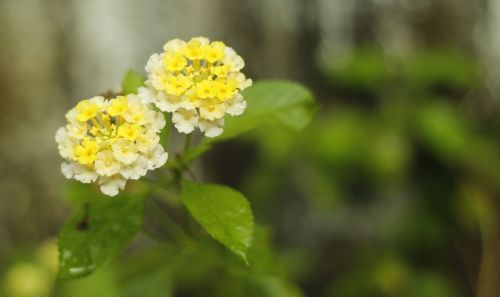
111	141
198	82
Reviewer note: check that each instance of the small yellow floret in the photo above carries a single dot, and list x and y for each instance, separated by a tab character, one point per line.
225	90
86	152
86	110
129	131
118	106
194	50
221	71
206	89
214	52
174	62
176	85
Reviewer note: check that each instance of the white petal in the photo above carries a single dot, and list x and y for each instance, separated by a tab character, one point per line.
156	82
174	45
185	120
216	113
68	170
154	62
111	186
189	104
157	157
125	151
136	169
71	115
61	135
158	120
99	101
233	60
247	83
85	174
236	105
146	95
211	128
101	164
171	103
66	149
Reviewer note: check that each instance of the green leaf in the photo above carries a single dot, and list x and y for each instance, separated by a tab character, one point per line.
223	212
131	82
103	283
98	232
288	102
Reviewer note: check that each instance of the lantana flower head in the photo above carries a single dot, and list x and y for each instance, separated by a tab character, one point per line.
111	141
198	82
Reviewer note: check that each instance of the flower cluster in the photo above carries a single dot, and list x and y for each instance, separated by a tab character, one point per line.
198	81
111	141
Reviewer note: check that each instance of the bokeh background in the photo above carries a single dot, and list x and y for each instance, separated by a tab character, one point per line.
392	191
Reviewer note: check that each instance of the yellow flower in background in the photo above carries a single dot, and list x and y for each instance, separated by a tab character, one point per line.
111	141
28	280
198	82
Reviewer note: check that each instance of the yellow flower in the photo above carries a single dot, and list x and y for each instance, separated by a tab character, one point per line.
111	141
176	84
221	71
86	152
214	52
196	76
225	90
86	110
174	62
118	106
129	131
206	89
194	50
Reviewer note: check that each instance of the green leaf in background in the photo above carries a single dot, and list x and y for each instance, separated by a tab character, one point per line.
223	212
97	233
440	68
364	69
443	129
131	82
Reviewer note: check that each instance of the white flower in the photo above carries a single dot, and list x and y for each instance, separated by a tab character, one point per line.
125	151
153	63
233	60
146	141
136	170
84	174
111	186
106	164
174	45
212	110
65	145
198	82
185	120
157	157
68	170
211	128
236	105
111	141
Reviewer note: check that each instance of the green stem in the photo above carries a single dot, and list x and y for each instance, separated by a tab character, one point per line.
187	142
165	134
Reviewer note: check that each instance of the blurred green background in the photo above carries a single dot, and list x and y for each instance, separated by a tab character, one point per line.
392	191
